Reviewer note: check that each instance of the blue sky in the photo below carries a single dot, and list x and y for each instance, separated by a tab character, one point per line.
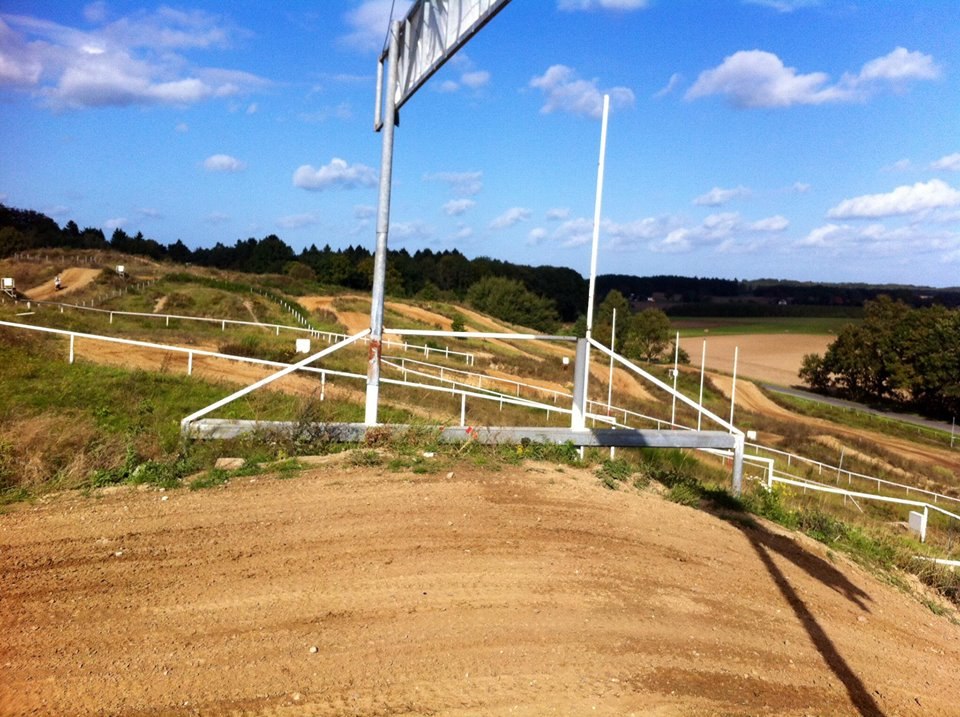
795	139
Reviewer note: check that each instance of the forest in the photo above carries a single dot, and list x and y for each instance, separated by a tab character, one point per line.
558	295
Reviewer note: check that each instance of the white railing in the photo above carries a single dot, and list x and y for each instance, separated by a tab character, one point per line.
810	485
489	394
328	336
839	471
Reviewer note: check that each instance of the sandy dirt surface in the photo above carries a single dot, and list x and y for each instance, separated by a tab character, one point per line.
72	280
774	358
529	590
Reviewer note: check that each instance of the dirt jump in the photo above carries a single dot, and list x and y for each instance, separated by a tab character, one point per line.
71	280
531	590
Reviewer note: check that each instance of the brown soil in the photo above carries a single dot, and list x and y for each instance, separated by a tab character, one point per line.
526	591
773	358
72	280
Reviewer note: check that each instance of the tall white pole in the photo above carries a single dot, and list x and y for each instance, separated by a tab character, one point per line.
733	390
383	228
676	372
580	412
613	347
596	215
703	365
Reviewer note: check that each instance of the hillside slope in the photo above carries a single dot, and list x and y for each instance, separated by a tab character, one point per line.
530	590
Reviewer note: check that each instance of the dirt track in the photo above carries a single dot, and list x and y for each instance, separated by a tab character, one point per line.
526	591
752	399
72	279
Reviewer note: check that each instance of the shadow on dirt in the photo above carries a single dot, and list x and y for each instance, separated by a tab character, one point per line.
767	544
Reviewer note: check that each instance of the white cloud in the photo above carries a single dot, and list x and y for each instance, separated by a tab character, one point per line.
755	78
574	5
675	79
298	221
878	240
369	21
950	162
784	6
135	60
461	183
718	196
905	199
901	165
149	213
536	235
565	92
775	223
800	187
403	231
337	174
512	216
364	211
463	232
216	218
900	65
223	163
115	223
574	232
20	63
182	127
557	213
475	80
456	207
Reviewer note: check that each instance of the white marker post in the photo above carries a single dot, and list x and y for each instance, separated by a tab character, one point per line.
578	417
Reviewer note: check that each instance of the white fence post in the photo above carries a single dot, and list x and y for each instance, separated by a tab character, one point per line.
71	347
190	363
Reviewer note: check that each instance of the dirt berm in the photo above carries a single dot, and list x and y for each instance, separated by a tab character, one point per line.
528	590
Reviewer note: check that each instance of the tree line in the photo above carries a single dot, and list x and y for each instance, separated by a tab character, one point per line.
898	354
541	297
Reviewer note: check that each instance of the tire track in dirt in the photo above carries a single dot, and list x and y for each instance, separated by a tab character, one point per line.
529	590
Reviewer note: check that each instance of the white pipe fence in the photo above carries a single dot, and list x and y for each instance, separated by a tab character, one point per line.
464	391
328	336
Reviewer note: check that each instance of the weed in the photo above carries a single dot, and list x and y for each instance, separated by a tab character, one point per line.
612	472
685	493
365	458
212	478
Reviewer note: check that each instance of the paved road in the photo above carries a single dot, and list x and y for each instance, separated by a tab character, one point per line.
852	406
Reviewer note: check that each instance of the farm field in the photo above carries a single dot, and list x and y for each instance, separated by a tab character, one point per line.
768	358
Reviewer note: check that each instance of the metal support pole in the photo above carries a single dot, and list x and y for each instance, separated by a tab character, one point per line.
613	347
578	414
676	373
738	464
583	367
733	390
383	228
703	365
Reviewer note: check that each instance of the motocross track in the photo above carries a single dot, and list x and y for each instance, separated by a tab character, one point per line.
72	280
530	590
